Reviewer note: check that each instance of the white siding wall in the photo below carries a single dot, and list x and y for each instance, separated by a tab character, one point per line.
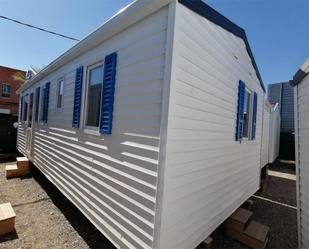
207	174
265	136
302	157
274	136
111	178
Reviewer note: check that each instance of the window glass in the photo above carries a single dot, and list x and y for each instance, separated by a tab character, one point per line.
247	113
94	92
60	86
6	90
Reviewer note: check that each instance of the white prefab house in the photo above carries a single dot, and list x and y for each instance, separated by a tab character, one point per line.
151	125
274	133
301	108
266	134
270	134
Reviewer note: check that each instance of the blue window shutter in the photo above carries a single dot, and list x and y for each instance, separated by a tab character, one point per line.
46	102
37	102
77	96
240	111
254	115
107	102
25	109
21	108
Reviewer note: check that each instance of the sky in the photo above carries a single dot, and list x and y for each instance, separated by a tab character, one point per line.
277	30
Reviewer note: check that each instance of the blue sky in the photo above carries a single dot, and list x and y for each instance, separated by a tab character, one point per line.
277	30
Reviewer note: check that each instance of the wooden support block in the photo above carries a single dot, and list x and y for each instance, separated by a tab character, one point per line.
208	243
239	219
13	171
254	236
249	205
7	218
22	163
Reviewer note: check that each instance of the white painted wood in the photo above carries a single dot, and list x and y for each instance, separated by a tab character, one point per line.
207	173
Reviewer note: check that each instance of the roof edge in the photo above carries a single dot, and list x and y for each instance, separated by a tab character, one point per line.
300	74
201	8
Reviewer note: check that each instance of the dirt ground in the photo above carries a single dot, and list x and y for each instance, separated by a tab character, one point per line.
46	219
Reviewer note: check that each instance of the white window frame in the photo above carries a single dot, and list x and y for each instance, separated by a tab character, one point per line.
250	115
57	94
92	130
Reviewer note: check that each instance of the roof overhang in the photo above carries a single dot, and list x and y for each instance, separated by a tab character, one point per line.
300	74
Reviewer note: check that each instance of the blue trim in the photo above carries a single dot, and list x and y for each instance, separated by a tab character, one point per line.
37	103
212	15
21	108
25	109
254	116
107	100
240	111
46	102
77	96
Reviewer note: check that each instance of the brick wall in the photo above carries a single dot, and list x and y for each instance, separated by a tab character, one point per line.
9	103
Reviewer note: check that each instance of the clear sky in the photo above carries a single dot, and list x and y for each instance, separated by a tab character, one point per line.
277	30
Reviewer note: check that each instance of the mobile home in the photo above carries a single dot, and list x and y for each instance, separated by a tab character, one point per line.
151	125
274	133
301	107
270	134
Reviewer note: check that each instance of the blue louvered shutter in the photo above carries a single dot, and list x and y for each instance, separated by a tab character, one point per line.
240	111
254	116
46	102
37	102
25	109
77	96
21	108
107	103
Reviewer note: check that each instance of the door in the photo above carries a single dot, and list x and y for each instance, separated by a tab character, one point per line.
29	127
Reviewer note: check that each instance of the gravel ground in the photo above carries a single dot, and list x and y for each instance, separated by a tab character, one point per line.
46	219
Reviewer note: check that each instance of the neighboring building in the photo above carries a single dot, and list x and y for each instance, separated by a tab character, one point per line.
8	86
301	92
282	93
151	125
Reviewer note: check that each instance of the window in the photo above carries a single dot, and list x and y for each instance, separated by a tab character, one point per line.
6	90
60	87
247	113
94	93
